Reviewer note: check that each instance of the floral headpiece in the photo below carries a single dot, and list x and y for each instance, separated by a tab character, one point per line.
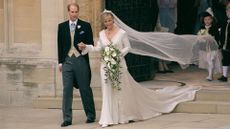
107	11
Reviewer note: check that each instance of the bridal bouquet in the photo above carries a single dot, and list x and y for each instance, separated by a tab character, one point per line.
203	32
111	56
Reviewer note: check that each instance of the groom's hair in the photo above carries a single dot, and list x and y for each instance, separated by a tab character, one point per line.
72	4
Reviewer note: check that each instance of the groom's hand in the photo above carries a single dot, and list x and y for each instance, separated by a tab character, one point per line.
81	46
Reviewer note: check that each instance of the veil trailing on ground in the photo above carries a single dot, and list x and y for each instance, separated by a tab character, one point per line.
183	49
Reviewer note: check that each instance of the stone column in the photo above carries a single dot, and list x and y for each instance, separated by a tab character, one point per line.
28	51
29	59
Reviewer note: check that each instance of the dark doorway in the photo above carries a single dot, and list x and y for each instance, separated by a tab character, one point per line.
186	16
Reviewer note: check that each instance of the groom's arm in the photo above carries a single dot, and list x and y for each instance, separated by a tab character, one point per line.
60	44
60	47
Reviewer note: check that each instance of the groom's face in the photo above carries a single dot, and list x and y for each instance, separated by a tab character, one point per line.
73	13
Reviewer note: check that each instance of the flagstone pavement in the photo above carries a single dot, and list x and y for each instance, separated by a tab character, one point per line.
30	118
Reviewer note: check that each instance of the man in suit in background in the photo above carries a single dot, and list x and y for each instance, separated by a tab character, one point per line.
225	45
75	67
218	8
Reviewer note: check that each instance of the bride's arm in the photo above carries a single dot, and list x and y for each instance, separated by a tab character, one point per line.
125	44
91	48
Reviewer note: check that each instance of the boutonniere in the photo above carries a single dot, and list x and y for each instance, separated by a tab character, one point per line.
78	26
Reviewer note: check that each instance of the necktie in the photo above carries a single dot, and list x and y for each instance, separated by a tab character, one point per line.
72	27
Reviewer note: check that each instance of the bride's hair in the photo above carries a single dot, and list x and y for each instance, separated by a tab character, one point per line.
106	13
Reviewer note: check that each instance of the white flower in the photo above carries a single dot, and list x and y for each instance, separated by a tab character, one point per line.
113	61
108	65
107	49
202	31
107	53
106	58
114	54
111	49
78	26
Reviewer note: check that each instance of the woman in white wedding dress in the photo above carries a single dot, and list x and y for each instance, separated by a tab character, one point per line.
132	102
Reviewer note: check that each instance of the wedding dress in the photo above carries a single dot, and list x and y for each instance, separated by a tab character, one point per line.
133	102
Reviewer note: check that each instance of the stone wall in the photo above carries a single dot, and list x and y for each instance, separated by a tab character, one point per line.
25	79
28	50
1	22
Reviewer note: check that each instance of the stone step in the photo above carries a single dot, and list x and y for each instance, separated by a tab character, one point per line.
213	95
56	103
209	107
206	101
202	95
96	92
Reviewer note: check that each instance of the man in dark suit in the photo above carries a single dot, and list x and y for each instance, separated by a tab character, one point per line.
225	45
218	8
75	67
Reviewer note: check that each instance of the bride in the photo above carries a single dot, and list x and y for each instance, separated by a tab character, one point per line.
132	102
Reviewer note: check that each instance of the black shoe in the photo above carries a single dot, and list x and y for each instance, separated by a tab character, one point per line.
223	79
131	121
89	121
66	123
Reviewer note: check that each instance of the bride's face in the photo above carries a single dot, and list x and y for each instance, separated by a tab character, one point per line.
108	21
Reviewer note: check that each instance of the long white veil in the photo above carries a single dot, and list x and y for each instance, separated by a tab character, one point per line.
183	49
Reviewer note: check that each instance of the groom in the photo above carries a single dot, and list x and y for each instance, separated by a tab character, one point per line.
75	67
